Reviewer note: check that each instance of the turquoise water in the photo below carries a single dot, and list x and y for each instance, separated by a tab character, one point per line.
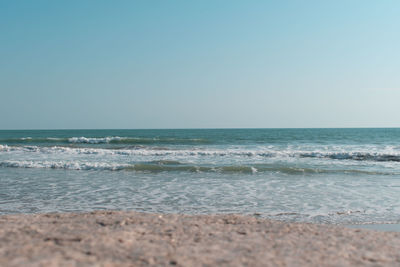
340	176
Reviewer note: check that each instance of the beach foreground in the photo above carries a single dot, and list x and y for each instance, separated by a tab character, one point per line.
116	238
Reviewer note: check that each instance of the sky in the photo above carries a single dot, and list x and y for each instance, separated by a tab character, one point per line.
199	64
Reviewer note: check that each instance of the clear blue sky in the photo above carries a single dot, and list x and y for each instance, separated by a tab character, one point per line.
199	64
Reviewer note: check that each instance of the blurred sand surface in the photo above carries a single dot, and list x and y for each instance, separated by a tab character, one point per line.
116	238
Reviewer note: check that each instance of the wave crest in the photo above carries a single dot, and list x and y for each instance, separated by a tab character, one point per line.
176	166
94	140
105	140
382	156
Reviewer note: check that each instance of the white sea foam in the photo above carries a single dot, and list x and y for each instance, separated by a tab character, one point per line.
89	140
254	170
69	165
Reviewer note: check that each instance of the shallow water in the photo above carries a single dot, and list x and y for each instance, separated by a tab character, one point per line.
395	227
339	176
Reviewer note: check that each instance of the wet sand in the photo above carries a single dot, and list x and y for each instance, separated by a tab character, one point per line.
114	238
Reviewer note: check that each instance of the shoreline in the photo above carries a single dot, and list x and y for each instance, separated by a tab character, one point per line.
127	238
384	227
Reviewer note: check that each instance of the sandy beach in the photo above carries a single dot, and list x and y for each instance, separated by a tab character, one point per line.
116	238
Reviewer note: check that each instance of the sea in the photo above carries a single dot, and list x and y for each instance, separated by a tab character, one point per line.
333	176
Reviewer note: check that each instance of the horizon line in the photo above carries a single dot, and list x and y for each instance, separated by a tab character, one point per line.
194	128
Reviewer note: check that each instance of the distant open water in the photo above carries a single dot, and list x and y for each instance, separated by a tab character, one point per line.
339	176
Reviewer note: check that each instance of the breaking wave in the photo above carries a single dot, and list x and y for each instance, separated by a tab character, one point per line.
176	166
382	156
104	140
359	156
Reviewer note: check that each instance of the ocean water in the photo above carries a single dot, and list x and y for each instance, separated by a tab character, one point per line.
337	176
